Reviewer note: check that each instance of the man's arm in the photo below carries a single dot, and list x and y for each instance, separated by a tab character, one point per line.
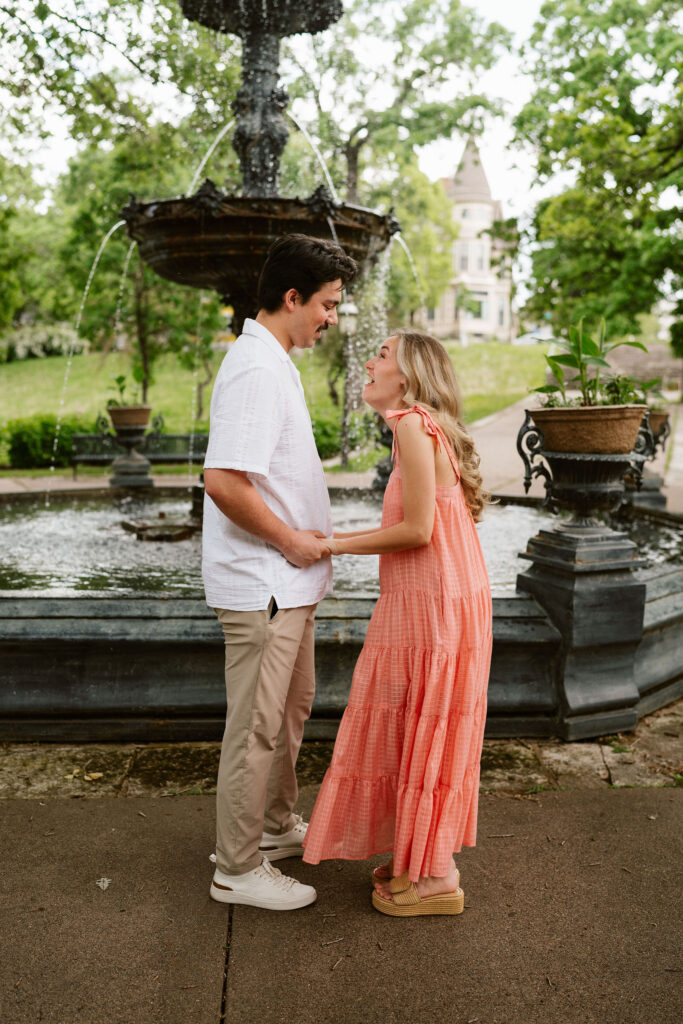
237	498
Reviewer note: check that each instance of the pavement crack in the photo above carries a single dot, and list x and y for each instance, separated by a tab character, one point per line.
224	993
610	781
123	788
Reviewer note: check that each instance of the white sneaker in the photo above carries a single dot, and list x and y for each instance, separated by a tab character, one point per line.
290	844
264	887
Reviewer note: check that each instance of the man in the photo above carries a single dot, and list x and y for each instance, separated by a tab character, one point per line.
266	503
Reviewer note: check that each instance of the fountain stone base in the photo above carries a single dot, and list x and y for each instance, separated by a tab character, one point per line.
582	576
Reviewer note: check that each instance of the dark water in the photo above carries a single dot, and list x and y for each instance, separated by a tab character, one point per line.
79	547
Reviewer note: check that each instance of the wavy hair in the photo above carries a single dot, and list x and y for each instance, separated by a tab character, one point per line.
432	384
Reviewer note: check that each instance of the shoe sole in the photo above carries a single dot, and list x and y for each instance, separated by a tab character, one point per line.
281	852
231	896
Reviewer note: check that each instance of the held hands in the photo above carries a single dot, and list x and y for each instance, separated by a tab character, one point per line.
305	548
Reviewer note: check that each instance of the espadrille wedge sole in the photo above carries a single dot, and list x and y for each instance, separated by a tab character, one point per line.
406	901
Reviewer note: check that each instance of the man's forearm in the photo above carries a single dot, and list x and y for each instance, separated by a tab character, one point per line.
238	499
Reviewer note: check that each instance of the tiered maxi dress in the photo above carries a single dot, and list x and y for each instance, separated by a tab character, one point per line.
404	774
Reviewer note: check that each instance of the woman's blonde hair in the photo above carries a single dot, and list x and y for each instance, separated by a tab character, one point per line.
432	384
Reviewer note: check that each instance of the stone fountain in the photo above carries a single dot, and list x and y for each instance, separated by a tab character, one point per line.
218	241
589	641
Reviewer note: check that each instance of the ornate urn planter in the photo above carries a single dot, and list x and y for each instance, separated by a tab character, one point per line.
129	415
130	423
582	572
649	494
592	429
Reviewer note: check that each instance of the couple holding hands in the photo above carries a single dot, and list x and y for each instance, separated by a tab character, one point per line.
404	776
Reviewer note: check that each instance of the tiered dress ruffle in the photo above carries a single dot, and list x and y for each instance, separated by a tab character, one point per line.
405	771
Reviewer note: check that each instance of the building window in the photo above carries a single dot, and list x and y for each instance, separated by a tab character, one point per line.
481	256
431	313
464	258
479	306
501	311
465	213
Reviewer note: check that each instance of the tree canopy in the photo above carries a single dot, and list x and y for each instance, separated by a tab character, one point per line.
389	77
607	108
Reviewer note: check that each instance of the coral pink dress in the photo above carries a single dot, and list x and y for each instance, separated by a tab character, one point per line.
404	774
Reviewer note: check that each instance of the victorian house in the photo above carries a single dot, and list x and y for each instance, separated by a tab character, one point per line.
476	306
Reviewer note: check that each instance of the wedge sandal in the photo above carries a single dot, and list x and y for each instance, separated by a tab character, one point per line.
407	902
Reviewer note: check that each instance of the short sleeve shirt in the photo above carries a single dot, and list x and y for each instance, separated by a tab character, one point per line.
260	425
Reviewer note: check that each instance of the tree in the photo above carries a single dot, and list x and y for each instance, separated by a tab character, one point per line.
429	231
22	256
420	87
92	67
607	108
156	314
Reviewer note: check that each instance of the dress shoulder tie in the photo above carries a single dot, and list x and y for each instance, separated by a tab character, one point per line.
432	428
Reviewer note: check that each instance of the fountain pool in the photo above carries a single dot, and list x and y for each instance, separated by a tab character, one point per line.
104	637
79	547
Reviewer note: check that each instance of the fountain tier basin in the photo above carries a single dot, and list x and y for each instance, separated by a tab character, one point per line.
220	242
99	649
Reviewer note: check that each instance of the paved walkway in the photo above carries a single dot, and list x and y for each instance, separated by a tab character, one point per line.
571	911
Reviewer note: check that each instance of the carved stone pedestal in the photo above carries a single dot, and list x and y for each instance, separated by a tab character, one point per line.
131	469
582	576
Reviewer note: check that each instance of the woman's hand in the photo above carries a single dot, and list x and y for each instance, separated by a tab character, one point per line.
326	545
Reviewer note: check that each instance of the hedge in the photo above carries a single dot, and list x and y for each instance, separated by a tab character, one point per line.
30	441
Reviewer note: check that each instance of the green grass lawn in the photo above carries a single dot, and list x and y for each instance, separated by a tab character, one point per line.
492	376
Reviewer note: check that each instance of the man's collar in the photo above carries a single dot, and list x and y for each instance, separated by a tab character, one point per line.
257	330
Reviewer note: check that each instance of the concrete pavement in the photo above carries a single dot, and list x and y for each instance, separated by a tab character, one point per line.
572	911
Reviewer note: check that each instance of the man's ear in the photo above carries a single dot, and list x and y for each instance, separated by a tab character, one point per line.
291	298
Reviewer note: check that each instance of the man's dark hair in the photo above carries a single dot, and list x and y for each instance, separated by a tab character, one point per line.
304	263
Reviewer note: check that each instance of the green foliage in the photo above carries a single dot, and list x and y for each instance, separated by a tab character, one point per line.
607	108
122	392
372	112
89	66
31	441
588	357
327	434
425	214
370	108
156	315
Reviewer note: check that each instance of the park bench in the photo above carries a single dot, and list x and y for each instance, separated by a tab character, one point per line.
163	449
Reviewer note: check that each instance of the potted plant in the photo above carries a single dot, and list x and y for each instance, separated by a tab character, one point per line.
125	413
651	394
605	417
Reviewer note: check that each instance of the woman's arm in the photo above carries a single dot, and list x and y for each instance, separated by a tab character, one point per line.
418	479
356	533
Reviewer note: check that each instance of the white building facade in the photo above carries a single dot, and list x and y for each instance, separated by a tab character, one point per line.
476	306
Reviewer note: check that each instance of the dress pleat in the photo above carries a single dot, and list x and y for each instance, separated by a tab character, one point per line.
404	774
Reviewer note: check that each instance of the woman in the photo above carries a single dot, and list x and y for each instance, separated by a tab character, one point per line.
404	774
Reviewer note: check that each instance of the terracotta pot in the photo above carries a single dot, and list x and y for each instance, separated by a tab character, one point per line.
658	418
590	429
129	415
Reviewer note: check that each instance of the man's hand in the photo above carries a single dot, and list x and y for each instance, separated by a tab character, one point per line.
304	548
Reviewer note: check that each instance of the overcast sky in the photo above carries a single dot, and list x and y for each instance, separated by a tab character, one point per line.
508	171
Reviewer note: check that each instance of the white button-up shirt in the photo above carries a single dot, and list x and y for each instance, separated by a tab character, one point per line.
260	425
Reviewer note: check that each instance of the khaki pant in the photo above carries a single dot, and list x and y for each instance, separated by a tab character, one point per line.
270	683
